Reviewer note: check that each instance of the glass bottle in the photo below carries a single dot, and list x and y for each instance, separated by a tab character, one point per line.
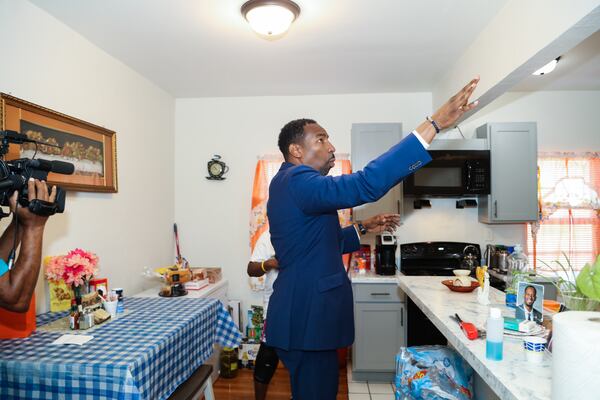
518	268
76	316
228	363
72	315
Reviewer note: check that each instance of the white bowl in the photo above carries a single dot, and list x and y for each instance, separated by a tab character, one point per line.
461	272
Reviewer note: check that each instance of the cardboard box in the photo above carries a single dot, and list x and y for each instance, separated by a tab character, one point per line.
213	274
248	350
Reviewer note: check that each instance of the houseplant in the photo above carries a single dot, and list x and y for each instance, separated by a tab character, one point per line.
579	292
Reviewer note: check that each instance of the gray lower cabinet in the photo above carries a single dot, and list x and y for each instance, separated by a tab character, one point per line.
380	326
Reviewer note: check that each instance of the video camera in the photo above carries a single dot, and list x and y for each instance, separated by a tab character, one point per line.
15	174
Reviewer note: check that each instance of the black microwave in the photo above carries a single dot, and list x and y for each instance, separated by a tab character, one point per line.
452	173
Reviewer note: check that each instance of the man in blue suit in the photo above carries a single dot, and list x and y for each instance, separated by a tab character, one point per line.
310	312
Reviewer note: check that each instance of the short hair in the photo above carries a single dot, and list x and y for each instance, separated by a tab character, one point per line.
292	132
529	286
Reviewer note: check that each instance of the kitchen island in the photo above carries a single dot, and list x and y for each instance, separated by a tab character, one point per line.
513	377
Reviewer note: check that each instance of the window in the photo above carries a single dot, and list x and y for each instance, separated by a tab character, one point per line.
568	186
266	168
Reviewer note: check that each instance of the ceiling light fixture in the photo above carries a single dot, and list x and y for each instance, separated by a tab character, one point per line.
546	69
270	17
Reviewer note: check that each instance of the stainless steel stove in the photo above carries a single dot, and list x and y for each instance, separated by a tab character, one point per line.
436	258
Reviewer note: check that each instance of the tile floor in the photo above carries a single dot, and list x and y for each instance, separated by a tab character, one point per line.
369	390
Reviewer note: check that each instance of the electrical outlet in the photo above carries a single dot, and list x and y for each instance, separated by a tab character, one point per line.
489	235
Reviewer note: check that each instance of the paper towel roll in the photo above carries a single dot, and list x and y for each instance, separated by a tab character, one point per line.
576	356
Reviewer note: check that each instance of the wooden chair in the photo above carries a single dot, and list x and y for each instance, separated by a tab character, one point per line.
195	386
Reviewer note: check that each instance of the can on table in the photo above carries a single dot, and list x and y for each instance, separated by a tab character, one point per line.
120	305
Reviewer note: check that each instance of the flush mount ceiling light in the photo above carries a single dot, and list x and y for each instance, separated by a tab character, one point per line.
270	17
546	69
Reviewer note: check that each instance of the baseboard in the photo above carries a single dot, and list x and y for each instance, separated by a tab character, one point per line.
387	377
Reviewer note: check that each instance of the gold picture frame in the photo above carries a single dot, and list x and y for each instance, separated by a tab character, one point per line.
91	148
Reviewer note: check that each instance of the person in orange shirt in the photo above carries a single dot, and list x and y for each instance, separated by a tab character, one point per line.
26	229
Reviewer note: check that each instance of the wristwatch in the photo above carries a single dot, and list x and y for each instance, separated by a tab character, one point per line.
361	228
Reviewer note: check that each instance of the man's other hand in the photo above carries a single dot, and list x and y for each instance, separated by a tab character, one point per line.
382	222
36	189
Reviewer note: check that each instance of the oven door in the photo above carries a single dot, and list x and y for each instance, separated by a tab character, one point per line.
452	173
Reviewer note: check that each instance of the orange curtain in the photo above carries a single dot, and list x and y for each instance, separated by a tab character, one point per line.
345	216
260	195
595	175
343	167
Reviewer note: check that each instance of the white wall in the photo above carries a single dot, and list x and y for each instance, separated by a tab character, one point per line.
45	62
213	217
566	120
503	57
53	66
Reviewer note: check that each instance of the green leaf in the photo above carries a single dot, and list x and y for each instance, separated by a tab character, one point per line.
588	280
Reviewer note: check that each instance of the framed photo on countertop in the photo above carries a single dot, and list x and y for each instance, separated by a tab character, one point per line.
530	300
90	148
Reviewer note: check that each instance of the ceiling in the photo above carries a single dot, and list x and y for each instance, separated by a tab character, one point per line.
578	69
204	48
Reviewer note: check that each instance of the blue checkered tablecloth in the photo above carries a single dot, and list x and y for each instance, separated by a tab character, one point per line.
145	354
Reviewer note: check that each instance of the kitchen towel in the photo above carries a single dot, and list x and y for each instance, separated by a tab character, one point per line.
576	355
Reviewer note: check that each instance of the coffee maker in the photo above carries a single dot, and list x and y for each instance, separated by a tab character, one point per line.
385	254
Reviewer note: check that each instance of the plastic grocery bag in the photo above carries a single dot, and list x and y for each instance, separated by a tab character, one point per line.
432	373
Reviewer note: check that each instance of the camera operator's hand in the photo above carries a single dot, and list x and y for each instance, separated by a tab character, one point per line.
36	189
18	284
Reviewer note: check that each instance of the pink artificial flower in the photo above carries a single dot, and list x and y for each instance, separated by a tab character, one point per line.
54	267
91	257
75	268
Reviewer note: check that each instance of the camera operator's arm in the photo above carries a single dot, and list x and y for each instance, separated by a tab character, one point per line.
18	284
8	240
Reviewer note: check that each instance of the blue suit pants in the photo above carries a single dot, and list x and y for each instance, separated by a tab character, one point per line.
314	375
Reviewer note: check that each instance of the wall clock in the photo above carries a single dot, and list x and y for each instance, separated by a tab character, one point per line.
216	169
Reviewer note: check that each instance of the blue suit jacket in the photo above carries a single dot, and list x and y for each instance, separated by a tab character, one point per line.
311	307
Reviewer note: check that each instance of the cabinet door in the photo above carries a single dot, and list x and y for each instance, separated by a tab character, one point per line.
369	141
513	161
379	335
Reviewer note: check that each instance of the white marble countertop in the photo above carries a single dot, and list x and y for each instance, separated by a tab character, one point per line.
372	277
511	378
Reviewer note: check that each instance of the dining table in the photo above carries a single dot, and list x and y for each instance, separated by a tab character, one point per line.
145	353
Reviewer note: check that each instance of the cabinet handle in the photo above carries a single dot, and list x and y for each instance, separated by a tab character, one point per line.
380	294
402	316
496	208
398	206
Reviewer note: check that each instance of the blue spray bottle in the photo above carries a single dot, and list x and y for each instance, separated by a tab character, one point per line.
494	335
